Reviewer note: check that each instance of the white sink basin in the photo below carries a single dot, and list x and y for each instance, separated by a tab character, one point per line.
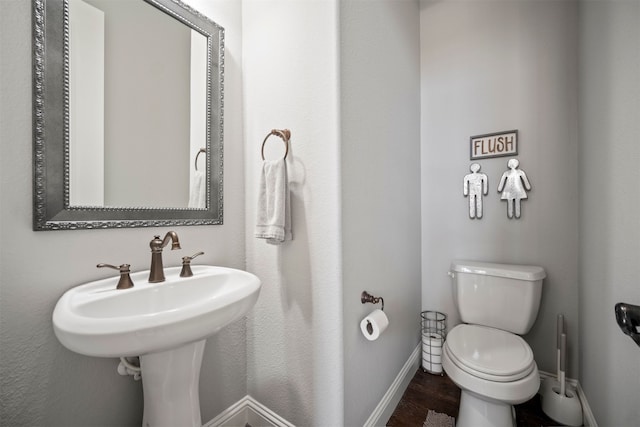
96	319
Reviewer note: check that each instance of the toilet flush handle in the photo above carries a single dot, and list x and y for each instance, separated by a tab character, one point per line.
451	274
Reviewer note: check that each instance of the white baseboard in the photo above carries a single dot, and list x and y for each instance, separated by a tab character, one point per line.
588	419
248	411
234	415
389	401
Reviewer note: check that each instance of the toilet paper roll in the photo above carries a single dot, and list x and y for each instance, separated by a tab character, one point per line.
430	358
432	343
374	324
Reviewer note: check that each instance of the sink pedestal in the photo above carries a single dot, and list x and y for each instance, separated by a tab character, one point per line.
170	382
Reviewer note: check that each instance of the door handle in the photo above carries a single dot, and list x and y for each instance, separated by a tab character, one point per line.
628	318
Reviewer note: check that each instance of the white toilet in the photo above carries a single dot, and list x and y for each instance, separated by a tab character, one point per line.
485	356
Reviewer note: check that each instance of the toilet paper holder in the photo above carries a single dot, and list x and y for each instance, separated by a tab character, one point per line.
366	297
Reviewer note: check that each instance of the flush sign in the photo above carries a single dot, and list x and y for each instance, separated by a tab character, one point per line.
494	145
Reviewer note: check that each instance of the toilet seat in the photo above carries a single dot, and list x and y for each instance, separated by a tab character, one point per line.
490	354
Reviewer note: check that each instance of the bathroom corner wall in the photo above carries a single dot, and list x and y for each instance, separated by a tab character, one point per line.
294	344
41	382
380	169
495	66
609	224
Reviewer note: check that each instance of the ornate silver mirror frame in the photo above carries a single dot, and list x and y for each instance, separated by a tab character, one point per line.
51	207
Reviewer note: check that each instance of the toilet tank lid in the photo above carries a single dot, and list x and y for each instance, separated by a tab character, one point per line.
512	271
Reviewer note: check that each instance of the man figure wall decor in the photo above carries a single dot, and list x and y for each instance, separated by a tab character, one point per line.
475	185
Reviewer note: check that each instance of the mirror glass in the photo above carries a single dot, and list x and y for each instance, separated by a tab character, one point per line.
127	114
137	85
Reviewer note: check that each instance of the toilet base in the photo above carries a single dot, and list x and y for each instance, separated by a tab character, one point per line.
475	411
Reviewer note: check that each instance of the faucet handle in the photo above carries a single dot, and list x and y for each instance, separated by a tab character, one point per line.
125	281
189	258
186	264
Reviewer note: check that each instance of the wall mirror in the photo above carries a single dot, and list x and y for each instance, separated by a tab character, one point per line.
127	113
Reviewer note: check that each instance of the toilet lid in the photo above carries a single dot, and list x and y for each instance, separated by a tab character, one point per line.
490	353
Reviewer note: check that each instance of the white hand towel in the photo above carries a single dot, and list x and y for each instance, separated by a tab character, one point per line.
198	195
274	205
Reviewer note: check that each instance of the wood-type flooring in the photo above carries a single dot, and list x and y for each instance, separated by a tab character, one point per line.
427	391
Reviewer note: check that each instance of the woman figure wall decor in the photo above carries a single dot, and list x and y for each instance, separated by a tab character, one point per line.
514	185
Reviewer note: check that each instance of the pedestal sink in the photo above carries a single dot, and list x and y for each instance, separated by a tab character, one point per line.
166	324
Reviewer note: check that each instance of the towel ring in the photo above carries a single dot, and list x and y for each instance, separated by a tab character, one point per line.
285	134
202	150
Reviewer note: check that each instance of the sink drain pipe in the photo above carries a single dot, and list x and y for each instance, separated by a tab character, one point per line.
130	366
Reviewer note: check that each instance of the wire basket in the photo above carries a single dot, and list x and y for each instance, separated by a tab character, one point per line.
434	331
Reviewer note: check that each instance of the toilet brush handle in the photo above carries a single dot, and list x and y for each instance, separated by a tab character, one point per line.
563	362
559	332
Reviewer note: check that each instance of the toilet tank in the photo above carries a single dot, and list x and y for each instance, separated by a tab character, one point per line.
503	296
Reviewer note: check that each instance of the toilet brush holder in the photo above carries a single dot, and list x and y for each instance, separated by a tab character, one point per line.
546	386
563	408
558	402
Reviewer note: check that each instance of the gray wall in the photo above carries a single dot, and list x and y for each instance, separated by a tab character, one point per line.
353	161
294	345
380	174
42	383
494	66
609	205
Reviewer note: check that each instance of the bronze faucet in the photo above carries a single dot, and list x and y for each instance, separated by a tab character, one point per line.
156	274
